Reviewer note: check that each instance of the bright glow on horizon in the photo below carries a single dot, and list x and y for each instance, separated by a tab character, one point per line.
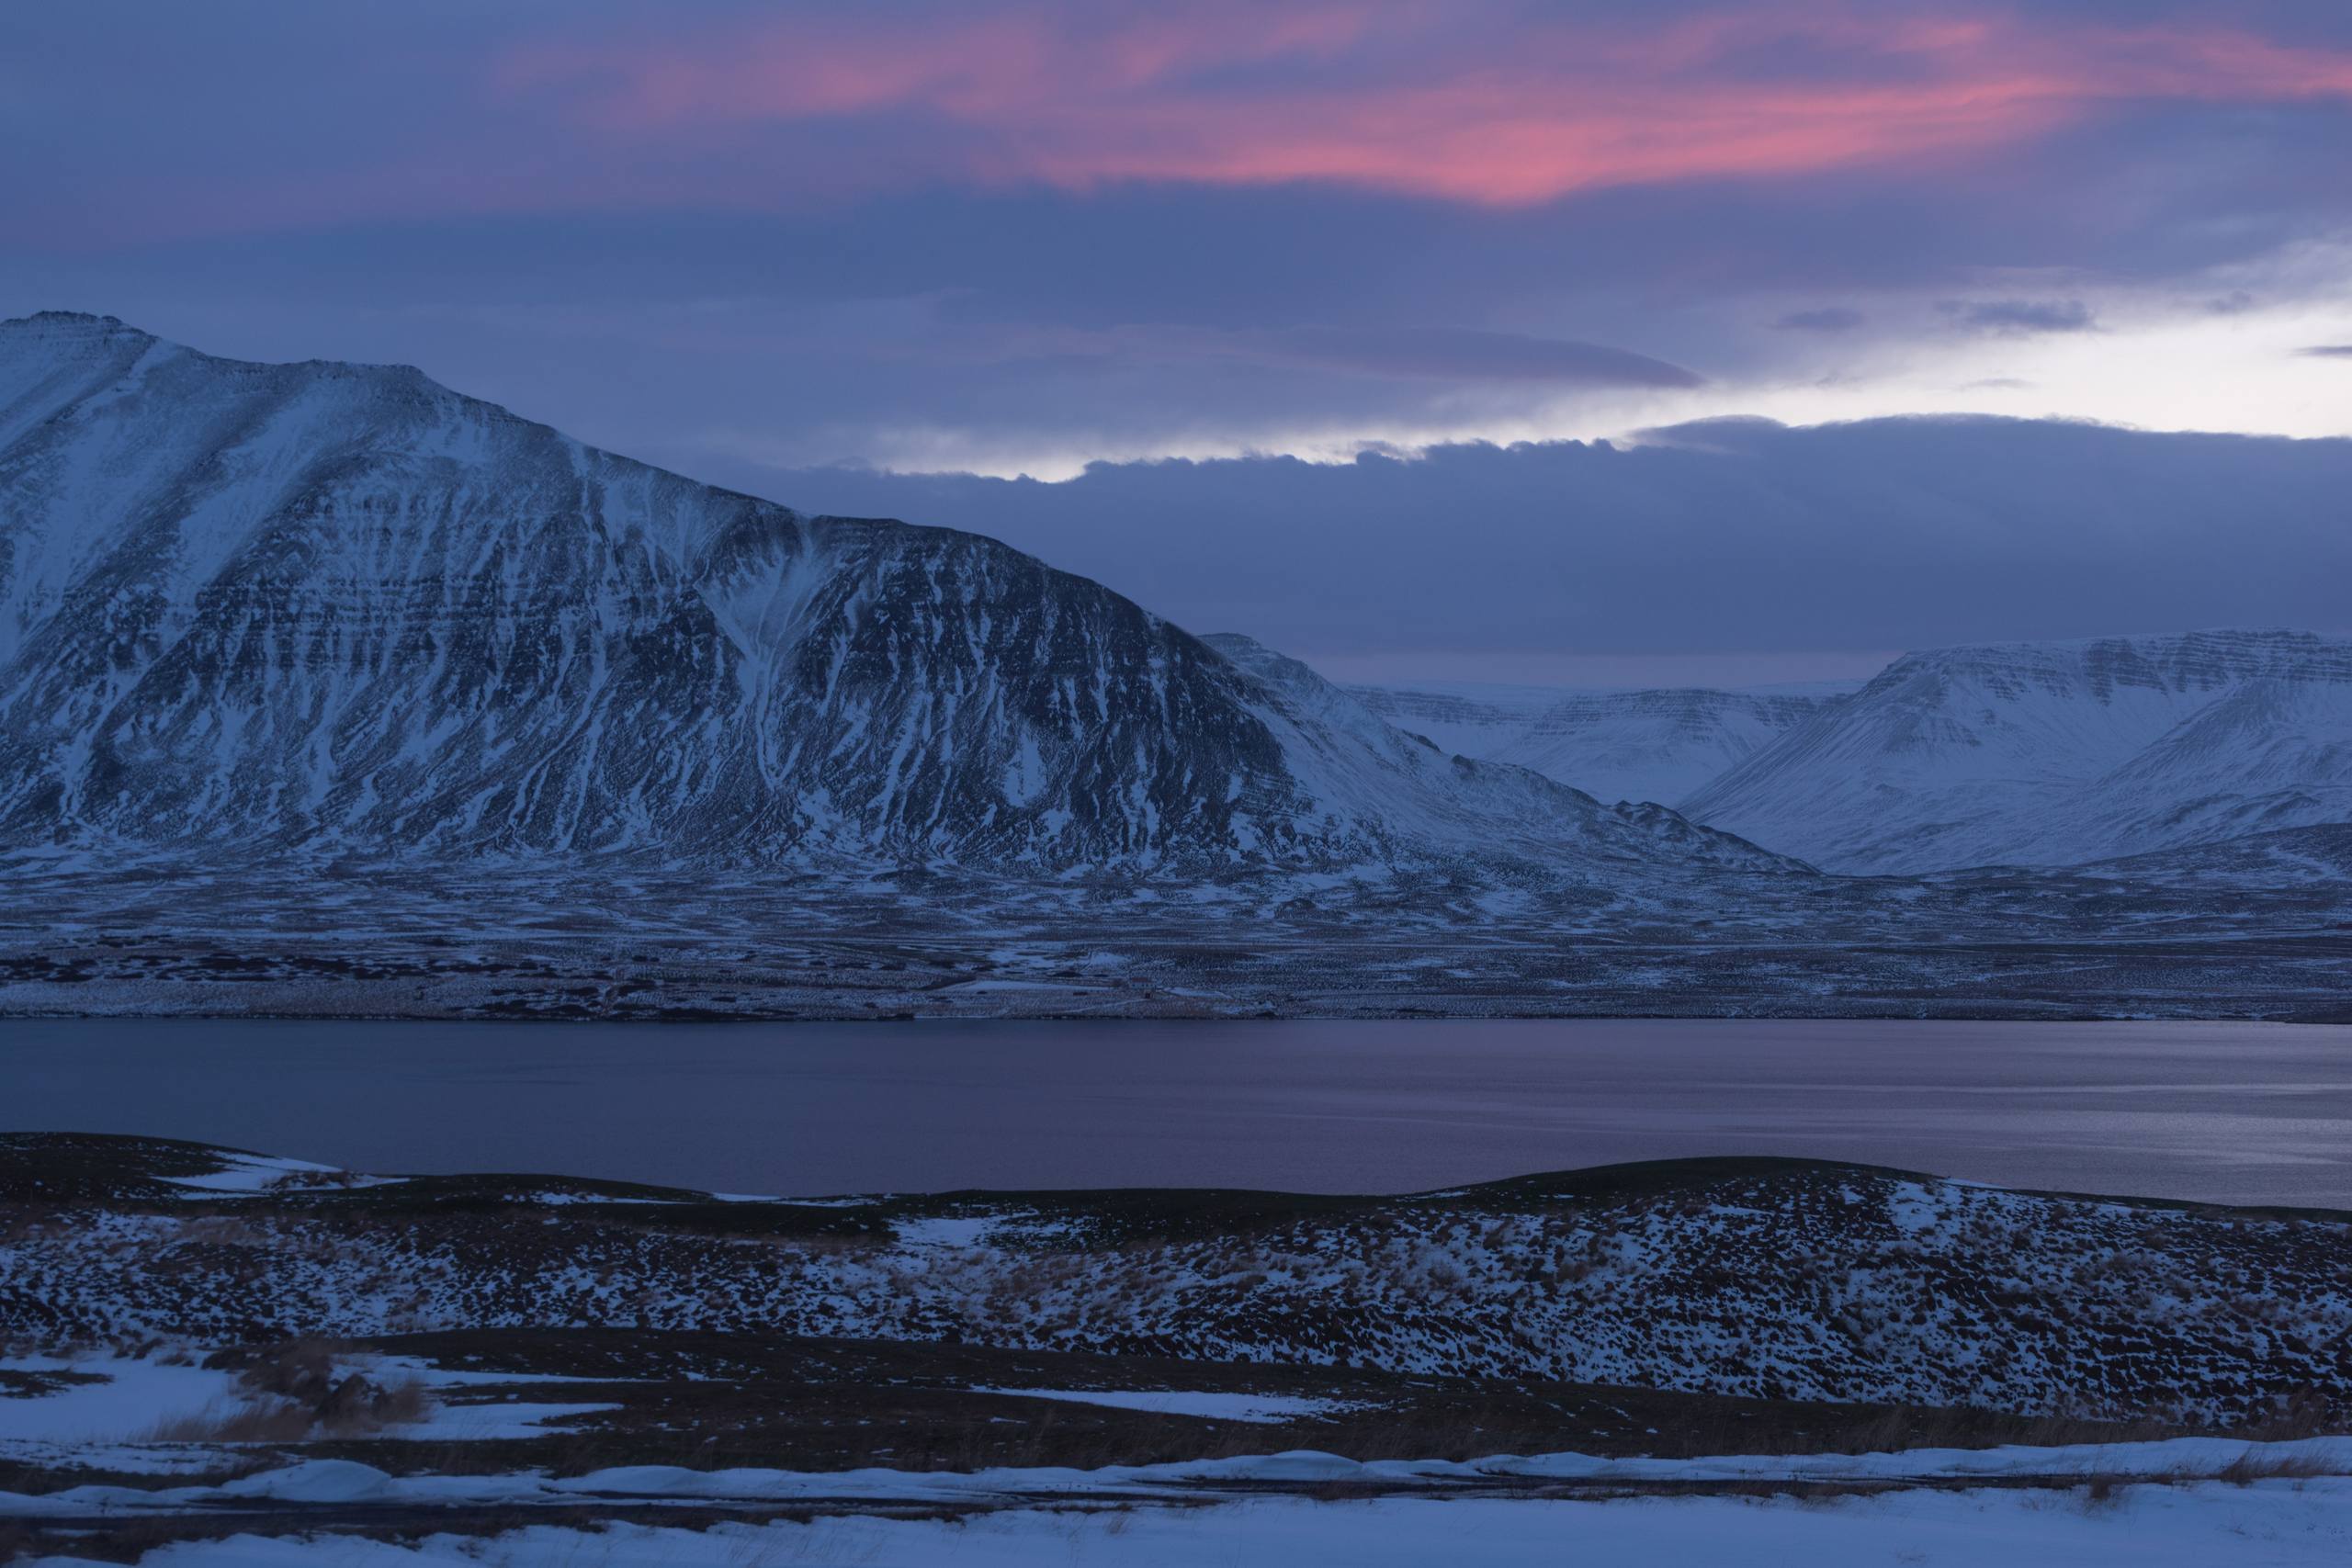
2237	371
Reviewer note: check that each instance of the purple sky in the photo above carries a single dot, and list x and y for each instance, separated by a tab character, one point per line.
751	240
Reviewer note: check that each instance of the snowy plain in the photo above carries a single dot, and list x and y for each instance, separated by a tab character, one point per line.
2201	1525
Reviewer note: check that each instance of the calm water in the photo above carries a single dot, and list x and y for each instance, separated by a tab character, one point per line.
2235	1112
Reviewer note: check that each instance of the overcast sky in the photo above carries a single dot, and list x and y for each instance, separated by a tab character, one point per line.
1729	553
1015	238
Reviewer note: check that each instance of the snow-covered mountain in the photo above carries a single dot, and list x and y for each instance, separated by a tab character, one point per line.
2057	753
341	605
1342	751
1641	745
1469	719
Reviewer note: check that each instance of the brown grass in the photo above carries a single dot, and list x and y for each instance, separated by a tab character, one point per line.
2307	1413
2250	1467
288	1395
278	1421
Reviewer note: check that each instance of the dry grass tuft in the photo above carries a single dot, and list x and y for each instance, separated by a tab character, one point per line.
292	1392
2252	1466
274	1421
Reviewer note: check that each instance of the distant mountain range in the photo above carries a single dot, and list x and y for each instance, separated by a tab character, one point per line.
2014	754
2057	753
1642	745
340	607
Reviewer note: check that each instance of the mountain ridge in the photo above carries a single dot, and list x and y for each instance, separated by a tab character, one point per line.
343	605
1653	744
2057	753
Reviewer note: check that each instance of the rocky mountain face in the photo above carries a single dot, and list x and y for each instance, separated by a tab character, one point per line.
2057	753
1643	745
341	606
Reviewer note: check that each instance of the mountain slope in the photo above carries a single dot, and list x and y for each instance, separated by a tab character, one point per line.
1473	719
2057	753
1345	754
332	606
1655	745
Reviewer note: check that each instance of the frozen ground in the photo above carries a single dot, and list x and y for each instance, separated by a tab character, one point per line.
2055	1503
2252	929
2197	1525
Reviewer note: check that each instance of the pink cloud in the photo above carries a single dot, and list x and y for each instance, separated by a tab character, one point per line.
1480	102
1409	97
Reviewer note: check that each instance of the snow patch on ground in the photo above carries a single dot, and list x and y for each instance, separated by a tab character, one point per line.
109	1414
1262	1409
552	1199
488	1423
129	1399
946	1230
480	1422
254	1173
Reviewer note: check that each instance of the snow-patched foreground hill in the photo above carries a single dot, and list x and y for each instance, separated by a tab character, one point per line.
2055	754
341	605
1655	745
1754	1278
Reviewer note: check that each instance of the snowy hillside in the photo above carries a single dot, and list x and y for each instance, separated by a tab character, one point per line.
219	1357
1347	755
333	605
1642	745
1469	719
1658	745
1774	1279
2057	753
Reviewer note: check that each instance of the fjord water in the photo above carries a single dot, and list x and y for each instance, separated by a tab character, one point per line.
2224	1113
